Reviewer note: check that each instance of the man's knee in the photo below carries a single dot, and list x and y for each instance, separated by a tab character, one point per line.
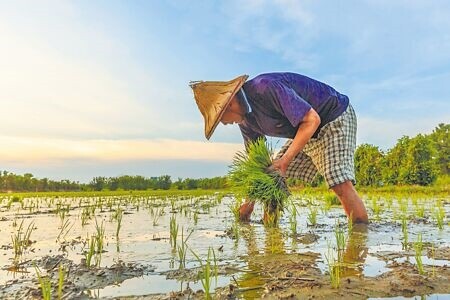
342	189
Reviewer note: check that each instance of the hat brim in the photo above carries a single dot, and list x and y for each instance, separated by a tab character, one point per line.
210	132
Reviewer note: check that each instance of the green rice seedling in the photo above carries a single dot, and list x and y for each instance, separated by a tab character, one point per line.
234	208
206	272
251	170
99	236
118	217
405	232
235	230
21	240
333	268
350	224
418	247
388	201
61	277
172	204
420	210
340	240
182	249
14	199
90	252
326	207
433	256
85	216
64	230
173	231
312	216
340	237
45	284
376	208
195	217
216	266
293	220
439	215
156	216
331	199
403	204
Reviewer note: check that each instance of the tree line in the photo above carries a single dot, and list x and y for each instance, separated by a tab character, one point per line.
28	183
418	160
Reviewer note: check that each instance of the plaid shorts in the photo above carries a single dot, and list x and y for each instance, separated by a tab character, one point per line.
331	153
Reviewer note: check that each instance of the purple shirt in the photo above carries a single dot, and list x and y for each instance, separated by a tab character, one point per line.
278	103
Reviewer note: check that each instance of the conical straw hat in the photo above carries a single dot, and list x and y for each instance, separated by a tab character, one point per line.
213	97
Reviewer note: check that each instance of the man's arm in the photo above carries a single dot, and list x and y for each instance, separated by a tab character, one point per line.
306	129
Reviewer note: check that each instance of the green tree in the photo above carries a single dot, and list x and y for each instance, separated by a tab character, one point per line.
419	165
368	166
98	183
441	141
393	161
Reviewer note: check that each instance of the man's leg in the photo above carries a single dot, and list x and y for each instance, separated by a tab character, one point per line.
245	211
351	202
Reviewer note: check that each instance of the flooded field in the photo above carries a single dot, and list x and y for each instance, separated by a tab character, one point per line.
142	246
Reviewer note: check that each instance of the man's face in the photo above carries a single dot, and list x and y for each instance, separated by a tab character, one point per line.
233	113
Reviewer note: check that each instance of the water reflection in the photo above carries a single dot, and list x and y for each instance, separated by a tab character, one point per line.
355	253
250	281
274	242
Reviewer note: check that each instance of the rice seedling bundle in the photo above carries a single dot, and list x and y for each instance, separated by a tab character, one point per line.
251	170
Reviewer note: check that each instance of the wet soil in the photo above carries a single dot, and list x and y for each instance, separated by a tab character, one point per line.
253	261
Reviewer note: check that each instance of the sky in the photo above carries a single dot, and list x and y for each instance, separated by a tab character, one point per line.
100	88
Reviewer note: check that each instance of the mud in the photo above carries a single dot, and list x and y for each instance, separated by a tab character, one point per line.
253	261
78	278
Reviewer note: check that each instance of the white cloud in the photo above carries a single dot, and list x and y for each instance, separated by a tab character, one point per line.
42	151
385	132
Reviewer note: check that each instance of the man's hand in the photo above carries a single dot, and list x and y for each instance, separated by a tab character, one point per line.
281	165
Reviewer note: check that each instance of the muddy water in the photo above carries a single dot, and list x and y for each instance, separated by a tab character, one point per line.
253	261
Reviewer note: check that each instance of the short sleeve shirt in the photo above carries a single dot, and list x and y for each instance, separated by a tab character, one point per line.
279	101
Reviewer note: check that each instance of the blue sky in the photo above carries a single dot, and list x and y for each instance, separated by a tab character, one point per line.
93	88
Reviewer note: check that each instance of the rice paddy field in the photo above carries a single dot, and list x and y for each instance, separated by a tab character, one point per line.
190	245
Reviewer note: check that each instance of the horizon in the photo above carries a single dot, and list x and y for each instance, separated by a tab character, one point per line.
94	88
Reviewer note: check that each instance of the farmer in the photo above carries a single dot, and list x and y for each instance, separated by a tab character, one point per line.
318	121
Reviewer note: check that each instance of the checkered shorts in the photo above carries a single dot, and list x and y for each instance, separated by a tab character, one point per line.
331	154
